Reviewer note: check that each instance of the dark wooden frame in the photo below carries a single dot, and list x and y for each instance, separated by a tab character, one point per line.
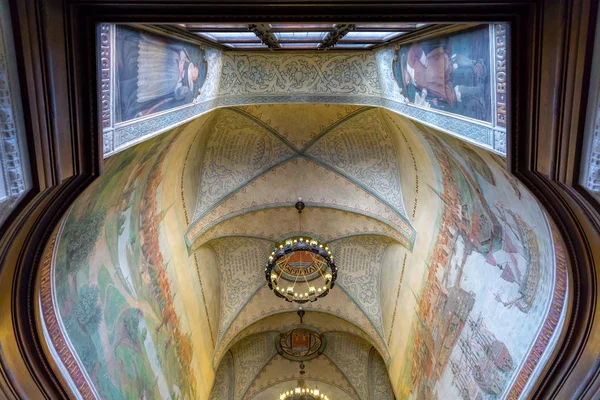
551	42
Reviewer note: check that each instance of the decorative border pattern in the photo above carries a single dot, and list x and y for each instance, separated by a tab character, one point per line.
138	130
552	318
354	78
500	94
106	46
50	321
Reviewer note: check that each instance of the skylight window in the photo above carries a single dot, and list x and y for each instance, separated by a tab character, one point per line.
342	36
372	36
300	36
247	46
300	45
300	27
230	36
356	46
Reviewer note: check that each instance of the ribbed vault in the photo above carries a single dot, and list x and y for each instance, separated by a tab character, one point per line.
447	264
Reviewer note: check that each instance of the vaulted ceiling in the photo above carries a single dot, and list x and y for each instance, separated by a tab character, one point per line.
446	263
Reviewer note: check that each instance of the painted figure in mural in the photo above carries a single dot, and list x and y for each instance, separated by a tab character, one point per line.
155	73
450	73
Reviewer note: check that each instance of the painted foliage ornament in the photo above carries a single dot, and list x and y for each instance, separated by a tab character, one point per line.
301	269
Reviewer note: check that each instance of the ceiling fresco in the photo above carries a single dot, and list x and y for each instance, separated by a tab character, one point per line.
321	370
340	193
348	363
299	124
337	303
366	161
447	284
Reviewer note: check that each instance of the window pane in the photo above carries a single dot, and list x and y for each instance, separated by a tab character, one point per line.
216	26
386	26
229	35
14	163
300	45
247	46
352	46
300	35
377	36
301	27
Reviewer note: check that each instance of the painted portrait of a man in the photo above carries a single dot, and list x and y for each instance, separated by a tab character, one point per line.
450	73
155	73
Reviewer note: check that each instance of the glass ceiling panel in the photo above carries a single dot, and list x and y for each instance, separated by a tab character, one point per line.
229	35
257	45
299	45
300	35
217	26
377	36
352	46
301	27
386	26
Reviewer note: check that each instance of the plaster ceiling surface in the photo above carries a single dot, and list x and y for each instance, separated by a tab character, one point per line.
446	264
261	305
273	392
321	370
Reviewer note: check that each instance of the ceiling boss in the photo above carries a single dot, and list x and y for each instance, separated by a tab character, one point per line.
300	268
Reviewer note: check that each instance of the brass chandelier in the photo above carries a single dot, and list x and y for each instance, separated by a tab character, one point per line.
301	268
302	391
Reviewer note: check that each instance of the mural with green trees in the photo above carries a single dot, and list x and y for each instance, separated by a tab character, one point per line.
114	294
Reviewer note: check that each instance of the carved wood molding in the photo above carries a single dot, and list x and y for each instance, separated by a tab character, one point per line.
550	72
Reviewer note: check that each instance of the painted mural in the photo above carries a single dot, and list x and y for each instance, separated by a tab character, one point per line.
449	73
155	73
464	74
452	313
124	307
485	290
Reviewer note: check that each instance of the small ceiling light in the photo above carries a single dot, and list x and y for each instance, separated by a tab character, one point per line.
302	392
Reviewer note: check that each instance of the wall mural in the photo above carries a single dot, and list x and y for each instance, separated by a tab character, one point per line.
155	73
127	310
457	83
486	289
449	73
475	302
